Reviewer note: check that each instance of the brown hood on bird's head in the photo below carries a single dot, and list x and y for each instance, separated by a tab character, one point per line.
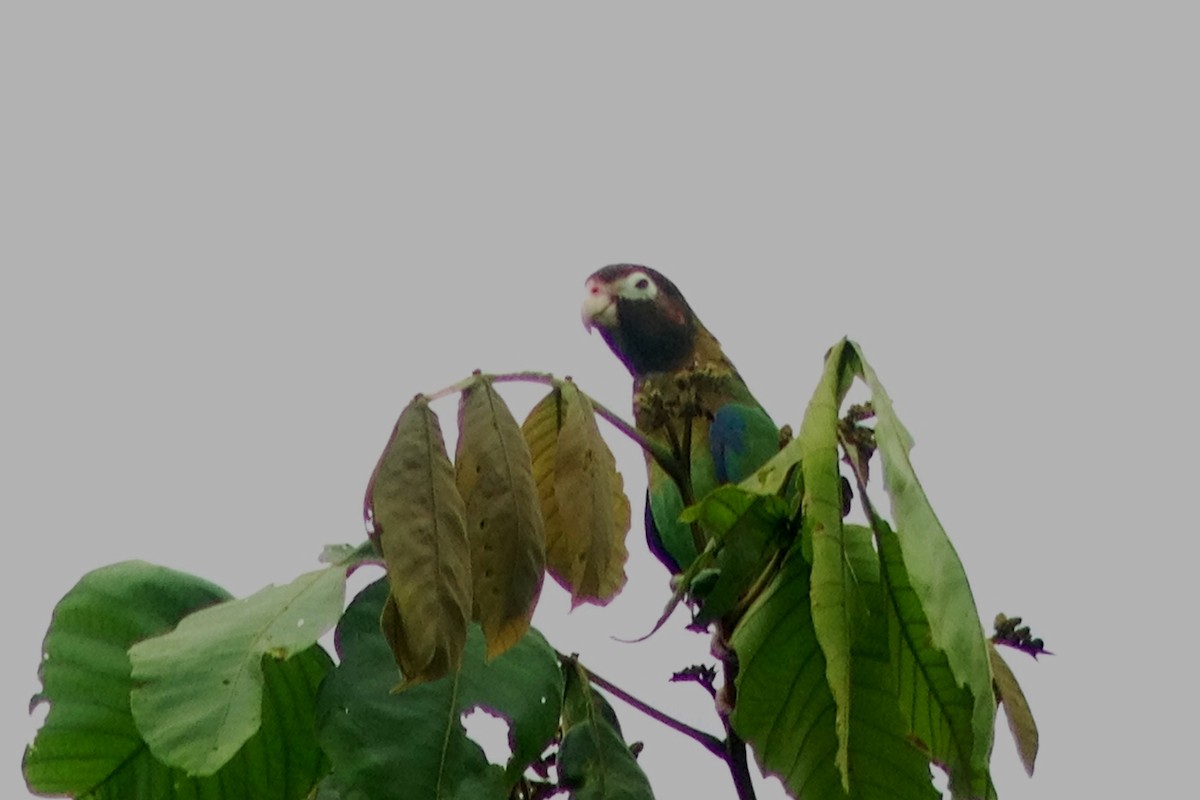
643	318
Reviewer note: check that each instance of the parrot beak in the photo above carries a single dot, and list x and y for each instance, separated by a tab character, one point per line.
599	307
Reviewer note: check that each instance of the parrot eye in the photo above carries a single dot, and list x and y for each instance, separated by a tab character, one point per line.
638	286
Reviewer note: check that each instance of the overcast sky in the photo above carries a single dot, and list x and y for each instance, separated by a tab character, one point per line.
236	243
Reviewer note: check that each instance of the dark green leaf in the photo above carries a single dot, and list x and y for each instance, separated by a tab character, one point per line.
373	736
748	529
594	762
89	746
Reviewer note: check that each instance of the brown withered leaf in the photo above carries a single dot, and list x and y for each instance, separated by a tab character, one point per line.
1016	709
582	495
419	522
504	522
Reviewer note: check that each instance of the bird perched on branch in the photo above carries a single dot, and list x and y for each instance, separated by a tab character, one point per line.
687	397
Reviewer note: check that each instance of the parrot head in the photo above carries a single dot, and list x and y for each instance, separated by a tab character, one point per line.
641	316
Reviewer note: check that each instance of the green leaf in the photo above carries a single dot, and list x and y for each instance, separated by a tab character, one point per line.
504	522
420	522
412	744
89	747
198	694
787	712
938	711
747	529
934	571
833	590
594	762
1016	708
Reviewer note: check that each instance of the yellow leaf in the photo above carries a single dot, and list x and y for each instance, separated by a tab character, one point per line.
591	502
540	430
504	523
420	522
1016	709
582	497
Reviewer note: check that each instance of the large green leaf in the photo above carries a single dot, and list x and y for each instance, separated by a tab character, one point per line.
412	744
934	571
786	710
594	762
198	689
937	709
89	746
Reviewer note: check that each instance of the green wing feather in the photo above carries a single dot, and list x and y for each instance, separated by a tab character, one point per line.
727	448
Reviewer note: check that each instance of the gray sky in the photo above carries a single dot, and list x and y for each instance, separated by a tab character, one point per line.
236	244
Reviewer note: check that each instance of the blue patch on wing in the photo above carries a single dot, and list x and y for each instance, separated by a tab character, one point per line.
741	438
726	439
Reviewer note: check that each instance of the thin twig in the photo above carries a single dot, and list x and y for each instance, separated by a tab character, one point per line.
672	465
453	388
710	743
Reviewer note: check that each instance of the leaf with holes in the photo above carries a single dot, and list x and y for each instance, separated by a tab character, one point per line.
504	522
583	501
412	744
419	520
89	745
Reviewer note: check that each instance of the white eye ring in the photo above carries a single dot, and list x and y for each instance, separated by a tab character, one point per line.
638	286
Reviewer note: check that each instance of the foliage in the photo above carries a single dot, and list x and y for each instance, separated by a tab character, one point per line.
90	745
372	735
852	656
197	689
593	760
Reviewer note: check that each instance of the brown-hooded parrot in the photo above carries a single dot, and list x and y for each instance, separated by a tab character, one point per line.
687	396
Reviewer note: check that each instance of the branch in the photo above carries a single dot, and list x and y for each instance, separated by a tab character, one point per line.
739	767
735	746
665	458
709	742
